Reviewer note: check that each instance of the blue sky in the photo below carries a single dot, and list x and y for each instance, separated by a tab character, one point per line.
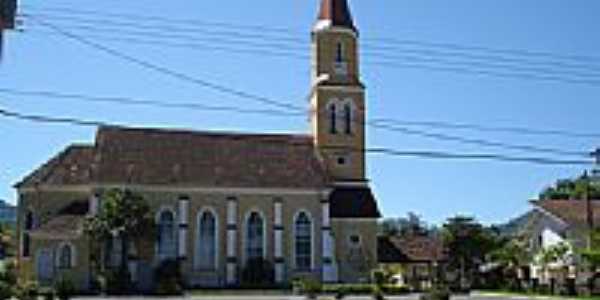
435	189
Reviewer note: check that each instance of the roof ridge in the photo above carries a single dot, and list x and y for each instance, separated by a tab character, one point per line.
201	132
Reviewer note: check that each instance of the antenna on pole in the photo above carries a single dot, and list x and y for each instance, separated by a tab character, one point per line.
8	11
596	168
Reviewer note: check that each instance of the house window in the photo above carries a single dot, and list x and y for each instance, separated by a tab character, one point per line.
341	160
348	118
207	241
255	237
303	242
332	109
65	257
167	246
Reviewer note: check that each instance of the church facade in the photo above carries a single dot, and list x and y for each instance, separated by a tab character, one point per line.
302	202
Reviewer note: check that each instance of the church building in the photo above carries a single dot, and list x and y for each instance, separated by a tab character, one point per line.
301	202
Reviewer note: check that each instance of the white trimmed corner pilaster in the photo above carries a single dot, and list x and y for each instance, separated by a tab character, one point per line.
232	260
329	271
94	204
278	238
183	209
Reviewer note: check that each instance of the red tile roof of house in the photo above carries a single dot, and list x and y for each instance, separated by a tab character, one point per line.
411	249
337	12
572	212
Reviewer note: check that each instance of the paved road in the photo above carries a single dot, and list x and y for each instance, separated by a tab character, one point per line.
283	297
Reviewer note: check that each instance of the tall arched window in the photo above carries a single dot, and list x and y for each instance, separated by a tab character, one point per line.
255	236
332	110
167	242
206	248
65	257
303	242
348	118
27	226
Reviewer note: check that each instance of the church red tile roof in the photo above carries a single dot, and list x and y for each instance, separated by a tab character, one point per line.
572	212
337	12
186	158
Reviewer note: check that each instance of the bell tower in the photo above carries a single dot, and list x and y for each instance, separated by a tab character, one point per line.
337	95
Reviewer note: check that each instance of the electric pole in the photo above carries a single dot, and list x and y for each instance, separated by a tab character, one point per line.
587	194
8	11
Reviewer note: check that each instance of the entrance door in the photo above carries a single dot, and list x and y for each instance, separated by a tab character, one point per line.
45	266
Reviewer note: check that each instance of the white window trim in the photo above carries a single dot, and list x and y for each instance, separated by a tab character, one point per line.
245	234
170	209
72	259
312	239
215	215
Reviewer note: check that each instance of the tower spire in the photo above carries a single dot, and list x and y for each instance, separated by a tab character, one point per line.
335	13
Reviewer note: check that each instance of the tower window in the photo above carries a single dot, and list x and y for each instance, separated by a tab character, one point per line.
339	53
332	118
348	118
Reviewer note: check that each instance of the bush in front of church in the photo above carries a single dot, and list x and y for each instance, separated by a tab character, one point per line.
168	278
258	272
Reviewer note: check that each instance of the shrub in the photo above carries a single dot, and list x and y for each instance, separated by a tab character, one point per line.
258	272
341	292
27	290
64	289
378	277
169	278
6	290
117	282
311	288
438	293
395	289
378	293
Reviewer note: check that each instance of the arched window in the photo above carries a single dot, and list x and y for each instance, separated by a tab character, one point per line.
27	226
303	242
255	236
348	118
339	53
206	248
29	220
65	257
332	110
167	242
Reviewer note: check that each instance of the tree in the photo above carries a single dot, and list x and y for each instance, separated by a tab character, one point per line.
512	255
567	189
410	225
468	243
123	215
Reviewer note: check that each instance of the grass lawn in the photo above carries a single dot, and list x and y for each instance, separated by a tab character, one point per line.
534	295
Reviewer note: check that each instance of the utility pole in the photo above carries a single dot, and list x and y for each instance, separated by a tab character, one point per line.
587	194
8	11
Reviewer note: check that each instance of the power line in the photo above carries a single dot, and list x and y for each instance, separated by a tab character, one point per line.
376	150
169	72
388	61
69	11
371	49
419	55
265	100
380	123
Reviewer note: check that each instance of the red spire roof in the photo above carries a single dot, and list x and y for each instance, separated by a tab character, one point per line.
337	12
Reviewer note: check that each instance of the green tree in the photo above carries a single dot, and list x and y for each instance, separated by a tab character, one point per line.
512	255
410	225
123	215
468	243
